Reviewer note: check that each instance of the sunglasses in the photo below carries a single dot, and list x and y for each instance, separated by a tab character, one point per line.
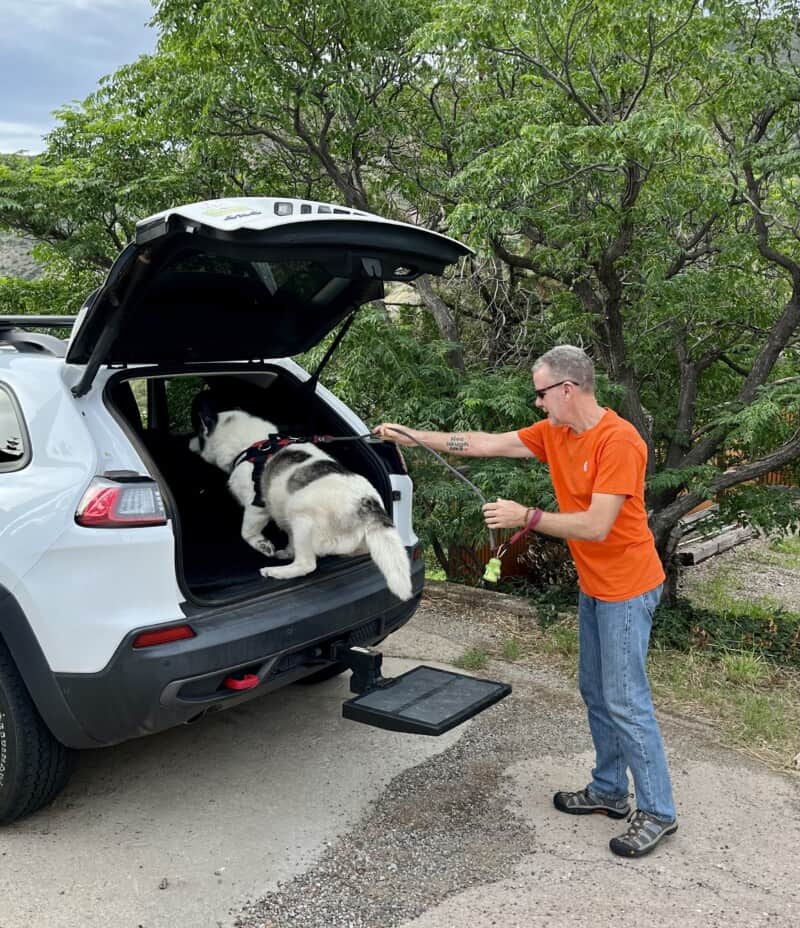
541	393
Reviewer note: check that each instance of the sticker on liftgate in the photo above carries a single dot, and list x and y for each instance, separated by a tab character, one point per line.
228	213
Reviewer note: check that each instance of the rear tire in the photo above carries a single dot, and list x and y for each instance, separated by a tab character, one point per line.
34	767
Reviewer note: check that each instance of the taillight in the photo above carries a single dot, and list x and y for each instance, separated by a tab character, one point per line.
112	504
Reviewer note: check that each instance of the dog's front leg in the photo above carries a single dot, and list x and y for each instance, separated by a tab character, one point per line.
254	522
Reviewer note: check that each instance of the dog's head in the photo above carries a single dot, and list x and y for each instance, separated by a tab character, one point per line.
220	435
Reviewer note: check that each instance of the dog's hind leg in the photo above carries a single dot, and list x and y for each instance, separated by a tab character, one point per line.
253	523
305	558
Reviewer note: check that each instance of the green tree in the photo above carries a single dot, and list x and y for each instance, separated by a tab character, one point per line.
124	153
400	372
321	88
599	167
627	174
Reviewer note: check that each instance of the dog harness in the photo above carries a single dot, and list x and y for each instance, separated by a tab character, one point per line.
262	451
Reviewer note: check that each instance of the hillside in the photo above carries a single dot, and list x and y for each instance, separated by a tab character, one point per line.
15	257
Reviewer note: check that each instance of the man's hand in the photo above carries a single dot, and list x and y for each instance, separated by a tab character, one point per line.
388	432
505	513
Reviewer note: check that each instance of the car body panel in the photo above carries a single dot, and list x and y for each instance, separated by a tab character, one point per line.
72	598
115	450
39	500
91	586
281	637
258	214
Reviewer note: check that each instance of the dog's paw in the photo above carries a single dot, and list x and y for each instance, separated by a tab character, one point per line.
267	548
269	573
286	554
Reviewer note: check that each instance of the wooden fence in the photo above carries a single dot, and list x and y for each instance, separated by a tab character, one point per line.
788	477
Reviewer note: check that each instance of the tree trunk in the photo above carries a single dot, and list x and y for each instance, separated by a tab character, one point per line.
444	320
667	531
441	555
670	594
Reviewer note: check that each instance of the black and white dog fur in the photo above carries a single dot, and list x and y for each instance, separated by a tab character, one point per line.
321	506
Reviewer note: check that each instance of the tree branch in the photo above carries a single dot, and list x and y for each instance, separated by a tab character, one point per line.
519	261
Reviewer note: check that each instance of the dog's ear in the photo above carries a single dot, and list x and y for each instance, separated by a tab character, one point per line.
204	413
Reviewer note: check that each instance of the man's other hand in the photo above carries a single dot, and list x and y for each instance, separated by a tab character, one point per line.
505	513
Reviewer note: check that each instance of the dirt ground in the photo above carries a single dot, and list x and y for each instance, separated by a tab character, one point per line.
470	837
751	572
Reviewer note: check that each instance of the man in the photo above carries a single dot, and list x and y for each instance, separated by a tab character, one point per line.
597	463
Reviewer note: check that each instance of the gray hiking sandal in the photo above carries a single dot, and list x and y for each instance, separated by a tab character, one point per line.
585	802
643	834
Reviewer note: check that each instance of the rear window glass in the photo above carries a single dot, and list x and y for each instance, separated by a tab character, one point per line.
180	393
14	447
301	280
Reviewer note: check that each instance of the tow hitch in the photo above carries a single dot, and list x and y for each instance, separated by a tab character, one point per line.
423	701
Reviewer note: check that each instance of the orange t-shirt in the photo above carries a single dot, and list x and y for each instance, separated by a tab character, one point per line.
611	458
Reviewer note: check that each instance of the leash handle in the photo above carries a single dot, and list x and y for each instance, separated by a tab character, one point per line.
529	526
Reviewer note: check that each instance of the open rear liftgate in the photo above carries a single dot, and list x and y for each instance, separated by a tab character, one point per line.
423	701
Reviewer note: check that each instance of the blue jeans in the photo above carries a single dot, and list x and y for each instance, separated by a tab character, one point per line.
612	678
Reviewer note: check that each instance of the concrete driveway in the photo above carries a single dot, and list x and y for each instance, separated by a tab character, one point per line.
180	828
281	815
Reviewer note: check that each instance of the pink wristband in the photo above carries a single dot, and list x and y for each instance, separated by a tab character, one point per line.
534	519
529	526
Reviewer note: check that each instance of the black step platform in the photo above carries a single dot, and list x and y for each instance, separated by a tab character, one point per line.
424	701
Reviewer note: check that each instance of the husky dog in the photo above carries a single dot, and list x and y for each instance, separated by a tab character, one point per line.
323	508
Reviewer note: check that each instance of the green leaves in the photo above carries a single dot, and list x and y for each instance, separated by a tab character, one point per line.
386	372
627	172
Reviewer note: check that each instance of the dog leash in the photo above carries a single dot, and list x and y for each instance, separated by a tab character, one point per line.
453	470
276	442
369	438
493	568
491	573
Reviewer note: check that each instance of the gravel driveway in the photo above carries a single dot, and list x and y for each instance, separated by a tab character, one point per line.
470	837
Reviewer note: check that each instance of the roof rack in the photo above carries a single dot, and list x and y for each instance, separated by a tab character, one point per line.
37	322
13	332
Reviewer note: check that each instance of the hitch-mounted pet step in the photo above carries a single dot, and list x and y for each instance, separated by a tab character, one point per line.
423	701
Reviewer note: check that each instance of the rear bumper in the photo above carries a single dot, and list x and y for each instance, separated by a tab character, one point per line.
278	639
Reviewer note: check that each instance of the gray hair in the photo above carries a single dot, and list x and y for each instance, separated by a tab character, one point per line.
566	362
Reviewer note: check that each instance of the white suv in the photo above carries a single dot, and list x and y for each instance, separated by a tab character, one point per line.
129	602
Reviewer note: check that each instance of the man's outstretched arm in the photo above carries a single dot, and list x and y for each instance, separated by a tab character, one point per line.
465	444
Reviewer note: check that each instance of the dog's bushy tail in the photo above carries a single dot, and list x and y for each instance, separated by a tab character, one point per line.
386	548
